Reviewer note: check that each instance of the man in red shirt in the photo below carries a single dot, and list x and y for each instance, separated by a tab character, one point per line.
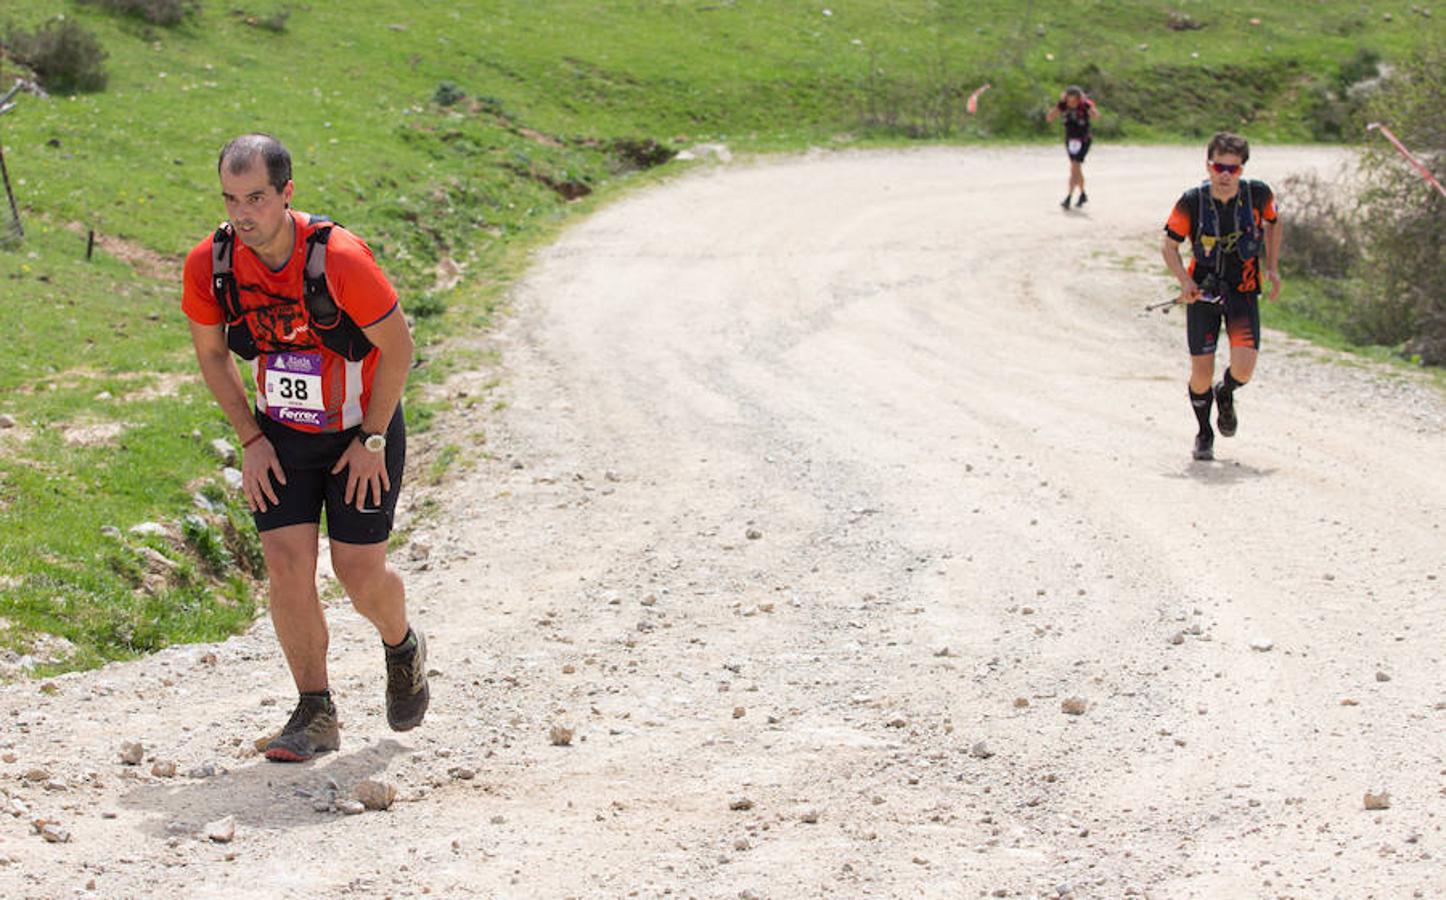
329	350
1231	223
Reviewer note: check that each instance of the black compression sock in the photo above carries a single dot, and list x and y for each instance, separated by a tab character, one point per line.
1229	382
1202	404
407	645
322	698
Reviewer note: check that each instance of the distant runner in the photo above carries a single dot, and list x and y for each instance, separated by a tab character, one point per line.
1078	111
303	301
1229	221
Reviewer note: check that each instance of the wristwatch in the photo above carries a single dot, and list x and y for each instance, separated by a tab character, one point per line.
375	442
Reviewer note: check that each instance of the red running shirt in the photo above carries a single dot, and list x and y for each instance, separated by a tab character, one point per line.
299	382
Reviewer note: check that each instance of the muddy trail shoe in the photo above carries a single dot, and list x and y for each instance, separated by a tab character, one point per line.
1205	446
1225	407
312	729
407	691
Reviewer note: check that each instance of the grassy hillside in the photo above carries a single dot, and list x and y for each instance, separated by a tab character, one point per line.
450	137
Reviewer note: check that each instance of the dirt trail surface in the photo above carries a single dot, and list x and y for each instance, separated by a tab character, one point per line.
824	487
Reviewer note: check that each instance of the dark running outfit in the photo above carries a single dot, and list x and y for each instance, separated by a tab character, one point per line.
1076	128
1226	240
310	400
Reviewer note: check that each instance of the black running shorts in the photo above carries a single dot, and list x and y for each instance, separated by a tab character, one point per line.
1080	154
1241	315
307	460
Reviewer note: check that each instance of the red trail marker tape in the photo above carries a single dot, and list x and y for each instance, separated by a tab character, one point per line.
1420	167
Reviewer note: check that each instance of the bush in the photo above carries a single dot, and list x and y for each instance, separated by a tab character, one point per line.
65	57
448	94
156	12
1400	215
1320	213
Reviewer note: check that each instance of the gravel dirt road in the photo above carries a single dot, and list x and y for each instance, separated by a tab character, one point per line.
839	537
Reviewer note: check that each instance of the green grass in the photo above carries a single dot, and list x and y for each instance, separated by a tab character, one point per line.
544	102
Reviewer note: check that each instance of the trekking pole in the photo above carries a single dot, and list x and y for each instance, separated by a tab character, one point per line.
1162	306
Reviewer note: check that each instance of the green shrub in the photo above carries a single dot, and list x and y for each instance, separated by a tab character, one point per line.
448	94
65	57
156	12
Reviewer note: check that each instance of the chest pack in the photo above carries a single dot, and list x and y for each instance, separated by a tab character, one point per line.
336	330
1216	239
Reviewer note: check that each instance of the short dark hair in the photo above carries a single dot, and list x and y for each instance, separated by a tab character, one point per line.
1074	90
1226	142
240	152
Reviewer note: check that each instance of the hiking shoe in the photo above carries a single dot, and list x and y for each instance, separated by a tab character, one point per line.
1083	199
1205	446
312	729
407	692
1065	201
1225	404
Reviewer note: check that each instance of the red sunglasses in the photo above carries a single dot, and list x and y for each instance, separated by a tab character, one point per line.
1227	167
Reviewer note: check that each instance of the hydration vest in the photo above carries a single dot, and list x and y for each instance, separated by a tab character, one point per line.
1206	248
337	331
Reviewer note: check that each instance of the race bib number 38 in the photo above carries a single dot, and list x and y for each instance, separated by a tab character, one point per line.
293	388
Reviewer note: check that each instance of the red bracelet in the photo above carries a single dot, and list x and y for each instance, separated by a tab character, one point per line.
252	439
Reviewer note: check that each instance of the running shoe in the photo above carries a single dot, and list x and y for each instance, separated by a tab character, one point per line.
312	729
1225	404
1083	199
407	691
1065	201
1205	446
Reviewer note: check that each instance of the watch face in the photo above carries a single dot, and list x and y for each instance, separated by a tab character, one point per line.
376	443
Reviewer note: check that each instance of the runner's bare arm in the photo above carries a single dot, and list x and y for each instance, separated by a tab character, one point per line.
366	471
1272	257
1170	252
259	458
1052	114
221	377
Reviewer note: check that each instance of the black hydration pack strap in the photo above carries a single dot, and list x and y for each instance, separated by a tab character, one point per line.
336	330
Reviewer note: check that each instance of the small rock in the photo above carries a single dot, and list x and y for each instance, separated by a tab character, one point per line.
1074	706
232	477
37	775
52	832
6	421
223	451
753	534
163	768
740	804
739	712
462	773
149	529
1177	638
1382	676
1021	702
419	550
809	817
1261	644
981	751
1378	801
569	669
132	752
222	831
376	795
351	807
560	735
742	844
57	784
205	770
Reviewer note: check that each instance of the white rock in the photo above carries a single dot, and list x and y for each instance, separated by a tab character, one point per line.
232	477
1261	644
7	421
351	807
224	451
222	831
149	528
720	152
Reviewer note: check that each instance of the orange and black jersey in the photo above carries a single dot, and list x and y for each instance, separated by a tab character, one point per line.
1225	237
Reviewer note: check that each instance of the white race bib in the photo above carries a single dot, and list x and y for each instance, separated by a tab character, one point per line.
293	388
1074	146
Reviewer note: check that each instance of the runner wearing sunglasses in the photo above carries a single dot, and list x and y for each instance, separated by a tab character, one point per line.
1229	222
1078	110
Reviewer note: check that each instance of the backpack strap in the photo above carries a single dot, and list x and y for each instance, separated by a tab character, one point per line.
319	304
223	279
